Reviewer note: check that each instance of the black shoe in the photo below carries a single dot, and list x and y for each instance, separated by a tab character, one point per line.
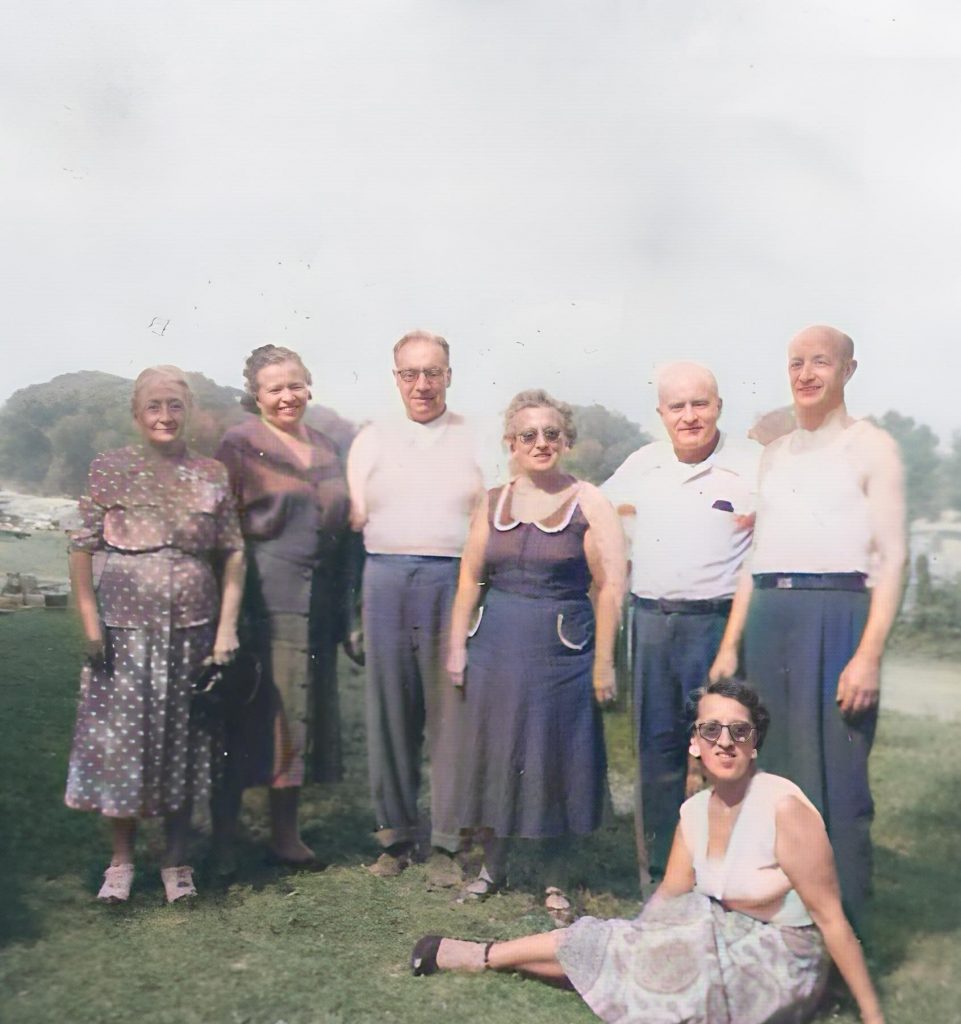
423	958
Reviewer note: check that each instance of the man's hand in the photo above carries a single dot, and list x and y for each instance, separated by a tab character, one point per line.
605	684
724	666
859	685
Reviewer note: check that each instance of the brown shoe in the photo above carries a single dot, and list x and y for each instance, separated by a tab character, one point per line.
390	865
443	871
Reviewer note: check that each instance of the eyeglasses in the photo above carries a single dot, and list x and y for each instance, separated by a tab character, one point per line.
740	732
432	373
529	437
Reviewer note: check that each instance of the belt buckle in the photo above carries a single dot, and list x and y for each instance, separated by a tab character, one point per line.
784	583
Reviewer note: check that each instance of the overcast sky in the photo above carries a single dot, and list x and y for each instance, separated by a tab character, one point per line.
572	193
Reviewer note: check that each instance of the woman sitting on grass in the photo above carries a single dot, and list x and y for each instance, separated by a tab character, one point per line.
737	931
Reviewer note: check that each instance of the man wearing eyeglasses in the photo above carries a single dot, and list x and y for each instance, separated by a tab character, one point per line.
688	506
830	514
414	482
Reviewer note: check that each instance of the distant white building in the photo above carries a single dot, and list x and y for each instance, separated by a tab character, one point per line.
939	540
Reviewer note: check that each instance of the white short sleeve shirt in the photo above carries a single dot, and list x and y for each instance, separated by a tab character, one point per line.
685	540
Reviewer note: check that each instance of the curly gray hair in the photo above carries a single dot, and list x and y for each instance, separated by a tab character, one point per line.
538	398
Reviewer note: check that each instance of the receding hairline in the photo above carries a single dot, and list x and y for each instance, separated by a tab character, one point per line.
428	336
683	368
843	343
165	373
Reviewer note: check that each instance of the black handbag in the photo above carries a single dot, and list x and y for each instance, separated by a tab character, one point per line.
225	690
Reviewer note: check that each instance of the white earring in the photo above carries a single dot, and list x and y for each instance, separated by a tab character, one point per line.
754	753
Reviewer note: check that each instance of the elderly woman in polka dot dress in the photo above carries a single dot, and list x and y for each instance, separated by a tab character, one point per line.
158	522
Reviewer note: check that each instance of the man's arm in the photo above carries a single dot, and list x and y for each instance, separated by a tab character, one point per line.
859	682
359	463
725	662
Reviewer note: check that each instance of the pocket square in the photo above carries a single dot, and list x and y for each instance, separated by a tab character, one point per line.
723	506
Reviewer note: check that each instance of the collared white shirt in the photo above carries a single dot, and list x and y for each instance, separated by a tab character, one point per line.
685	541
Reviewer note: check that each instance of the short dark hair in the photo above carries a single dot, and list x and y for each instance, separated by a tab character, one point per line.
735	689
266	355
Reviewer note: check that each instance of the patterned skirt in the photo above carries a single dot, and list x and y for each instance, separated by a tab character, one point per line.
690	961
137	751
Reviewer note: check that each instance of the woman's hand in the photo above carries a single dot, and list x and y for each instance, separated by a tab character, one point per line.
457	663
605	684
93	644
225	645
354	646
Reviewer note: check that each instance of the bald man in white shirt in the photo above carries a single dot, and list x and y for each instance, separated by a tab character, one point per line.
688	504
414	483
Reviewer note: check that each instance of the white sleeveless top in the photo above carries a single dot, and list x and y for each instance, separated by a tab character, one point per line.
812	511
748	871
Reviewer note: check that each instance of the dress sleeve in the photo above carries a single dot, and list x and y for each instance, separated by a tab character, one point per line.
89	534
229	454
229	537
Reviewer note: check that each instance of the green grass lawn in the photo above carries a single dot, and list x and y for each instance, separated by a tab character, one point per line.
333	947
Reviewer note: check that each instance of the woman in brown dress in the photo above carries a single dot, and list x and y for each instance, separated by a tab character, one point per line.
290	488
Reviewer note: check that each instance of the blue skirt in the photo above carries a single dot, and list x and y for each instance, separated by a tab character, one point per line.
533	764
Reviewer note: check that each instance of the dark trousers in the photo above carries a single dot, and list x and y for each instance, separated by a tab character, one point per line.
797	642
407	605
672	653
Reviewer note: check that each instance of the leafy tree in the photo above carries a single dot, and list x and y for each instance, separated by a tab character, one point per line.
951	474
604	440
25	451
922	464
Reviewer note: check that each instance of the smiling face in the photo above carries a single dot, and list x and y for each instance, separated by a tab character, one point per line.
282	394
538	440
820	363
161	413
689	407
723	758
425	394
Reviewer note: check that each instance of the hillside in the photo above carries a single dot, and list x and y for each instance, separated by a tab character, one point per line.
50	432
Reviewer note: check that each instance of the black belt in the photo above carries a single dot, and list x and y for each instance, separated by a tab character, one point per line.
856	581
694	607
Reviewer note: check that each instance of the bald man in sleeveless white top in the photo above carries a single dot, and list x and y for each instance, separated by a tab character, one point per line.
819	596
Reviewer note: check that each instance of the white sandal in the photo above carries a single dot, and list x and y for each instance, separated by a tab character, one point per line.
558	906
178	883
478	890
117	880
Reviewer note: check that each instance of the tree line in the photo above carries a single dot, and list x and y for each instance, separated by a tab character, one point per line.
50	432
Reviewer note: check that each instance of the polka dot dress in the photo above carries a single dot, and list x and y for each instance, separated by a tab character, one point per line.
152	525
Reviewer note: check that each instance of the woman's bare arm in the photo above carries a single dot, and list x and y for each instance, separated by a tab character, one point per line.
232	588
804	853
607	561
468	591
85	600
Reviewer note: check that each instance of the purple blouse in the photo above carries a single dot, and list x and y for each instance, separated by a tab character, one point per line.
154	526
